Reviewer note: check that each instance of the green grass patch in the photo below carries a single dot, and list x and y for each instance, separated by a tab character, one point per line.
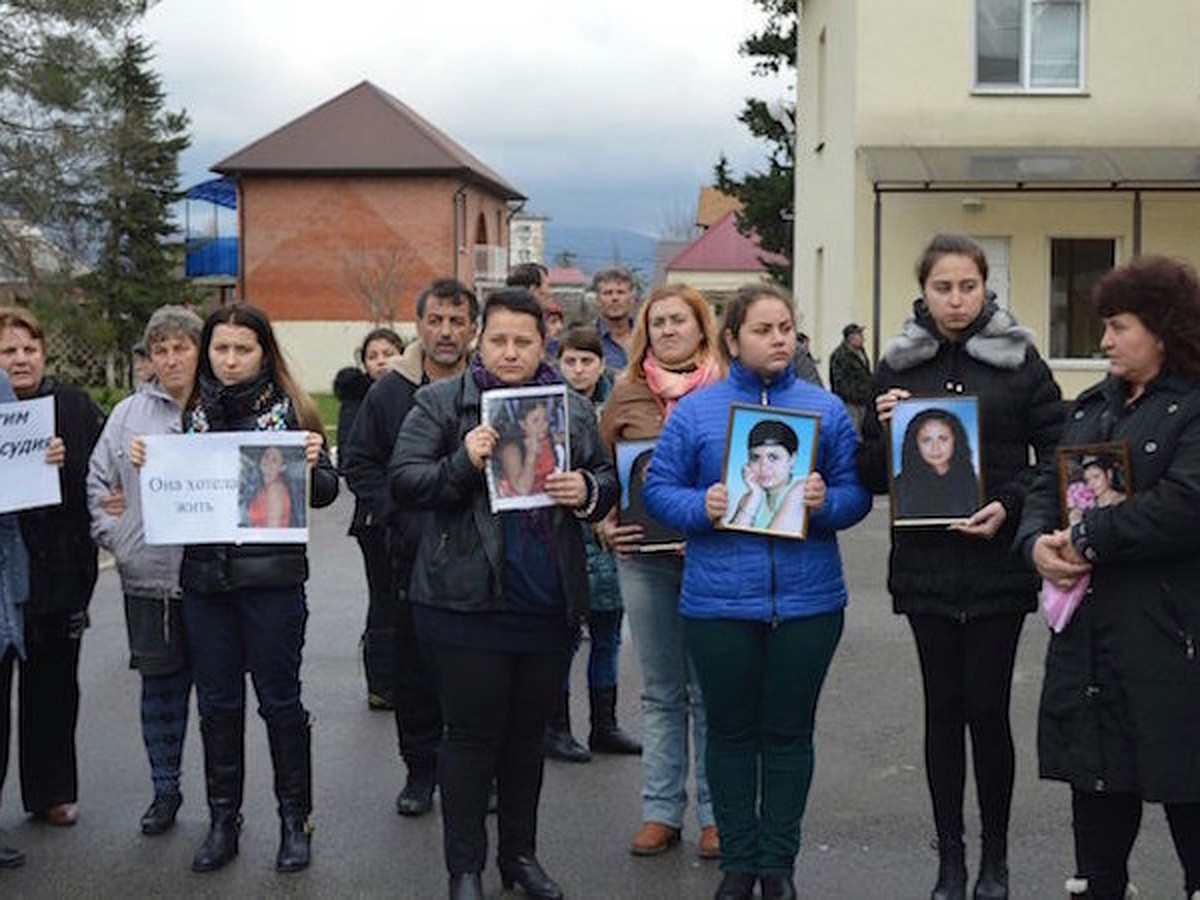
327	406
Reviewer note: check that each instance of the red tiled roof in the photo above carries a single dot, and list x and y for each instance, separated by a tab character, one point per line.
362	130
566	276
722	248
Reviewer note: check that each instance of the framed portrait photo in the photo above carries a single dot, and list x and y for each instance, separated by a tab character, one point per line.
534	441
769	452
1092	475
935	462
633	460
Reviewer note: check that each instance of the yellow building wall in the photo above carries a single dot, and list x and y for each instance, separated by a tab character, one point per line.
317	349
886	79
916	72
826	246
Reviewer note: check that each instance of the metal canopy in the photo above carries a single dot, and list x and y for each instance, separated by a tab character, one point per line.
1018	167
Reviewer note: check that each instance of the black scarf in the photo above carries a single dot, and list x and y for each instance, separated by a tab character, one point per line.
258	404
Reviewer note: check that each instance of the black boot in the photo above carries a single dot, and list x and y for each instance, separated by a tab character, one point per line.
606	736
224	774
993	870
736	886
467	886
952	869
416	798
291	754
529	874
777	887
560	743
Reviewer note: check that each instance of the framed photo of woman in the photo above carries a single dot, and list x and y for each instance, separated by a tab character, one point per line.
533	442
633	459
1092	475
769	452
936	466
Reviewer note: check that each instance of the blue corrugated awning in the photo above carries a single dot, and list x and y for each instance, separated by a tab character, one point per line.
221	191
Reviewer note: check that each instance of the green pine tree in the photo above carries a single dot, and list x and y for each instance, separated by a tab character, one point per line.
137	270
768	195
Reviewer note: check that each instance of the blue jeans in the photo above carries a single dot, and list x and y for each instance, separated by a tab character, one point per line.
670	691
255	630
604	646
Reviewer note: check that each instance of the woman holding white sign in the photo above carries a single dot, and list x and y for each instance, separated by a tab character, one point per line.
150	574
244	605
62	574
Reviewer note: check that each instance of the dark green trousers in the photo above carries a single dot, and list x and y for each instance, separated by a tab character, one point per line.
760	687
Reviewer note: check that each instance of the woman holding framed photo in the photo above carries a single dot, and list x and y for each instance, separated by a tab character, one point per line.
497	598
673	354
1121	696
963	591
762	615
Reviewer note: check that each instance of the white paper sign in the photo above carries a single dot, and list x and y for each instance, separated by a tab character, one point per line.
28	481
227	488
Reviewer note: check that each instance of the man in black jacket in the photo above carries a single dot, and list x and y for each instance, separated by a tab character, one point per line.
447	312
850	373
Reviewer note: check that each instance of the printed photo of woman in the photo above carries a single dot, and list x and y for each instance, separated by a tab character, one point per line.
937	478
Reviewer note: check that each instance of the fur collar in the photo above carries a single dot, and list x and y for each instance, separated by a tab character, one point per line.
994	339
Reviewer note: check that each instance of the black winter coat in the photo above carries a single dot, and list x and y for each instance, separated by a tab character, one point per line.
460	558
1120	707
62	555
933	570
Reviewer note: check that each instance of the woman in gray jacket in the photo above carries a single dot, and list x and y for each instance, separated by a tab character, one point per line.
150	575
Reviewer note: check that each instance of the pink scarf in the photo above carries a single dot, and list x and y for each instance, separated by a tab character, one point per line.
669	386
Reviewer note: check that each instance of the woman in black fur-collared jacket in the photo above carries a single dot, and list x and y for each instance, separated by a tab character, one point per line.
964	591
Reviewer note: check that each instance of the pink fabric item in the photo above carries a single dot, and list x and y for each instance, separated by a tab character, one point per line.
1058	605
670	386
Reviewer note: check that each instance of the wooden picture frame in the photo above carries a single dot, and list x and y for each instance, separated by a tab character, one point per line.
1092	475
769	452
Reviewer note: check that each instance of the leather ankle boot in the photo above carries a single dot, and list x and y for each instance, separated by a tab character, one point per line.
467	886
607	736
560	743
952	870
529	874
291	754
736	886
224	772
416	798
993	870
777	887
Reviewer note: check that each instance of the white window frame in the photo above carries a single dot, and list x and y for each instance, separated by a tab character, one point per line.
1024	86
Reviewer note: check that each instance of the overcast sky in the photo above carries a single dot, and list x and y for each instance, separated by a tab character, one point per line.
605	113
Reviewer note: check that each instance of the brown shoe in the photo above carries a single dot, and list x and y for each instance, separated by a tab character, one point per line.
62	815
654	838
710	843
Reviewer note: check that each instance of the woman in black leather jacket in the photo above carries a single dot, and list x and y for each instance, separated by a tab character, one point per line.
497	597
244	604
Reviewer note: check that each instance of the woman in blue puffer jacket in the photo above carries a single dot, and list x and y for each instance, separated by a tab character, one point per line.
762	615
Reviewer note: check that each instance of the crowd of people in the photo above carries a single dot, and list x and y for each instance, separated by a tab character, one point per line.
474	616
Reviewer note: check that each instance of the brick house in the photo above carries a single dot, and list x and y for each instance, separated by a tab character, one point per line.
345	213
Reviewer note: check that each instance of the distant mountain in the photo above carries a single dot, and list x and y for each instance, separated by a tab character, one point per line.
593	249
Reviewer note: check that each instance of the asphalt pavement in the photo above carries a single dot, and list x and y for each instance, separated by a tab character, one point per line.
867	831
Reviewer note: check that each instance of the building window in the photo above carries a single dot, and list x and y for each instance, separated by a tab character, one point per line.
1029	45
1075	267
